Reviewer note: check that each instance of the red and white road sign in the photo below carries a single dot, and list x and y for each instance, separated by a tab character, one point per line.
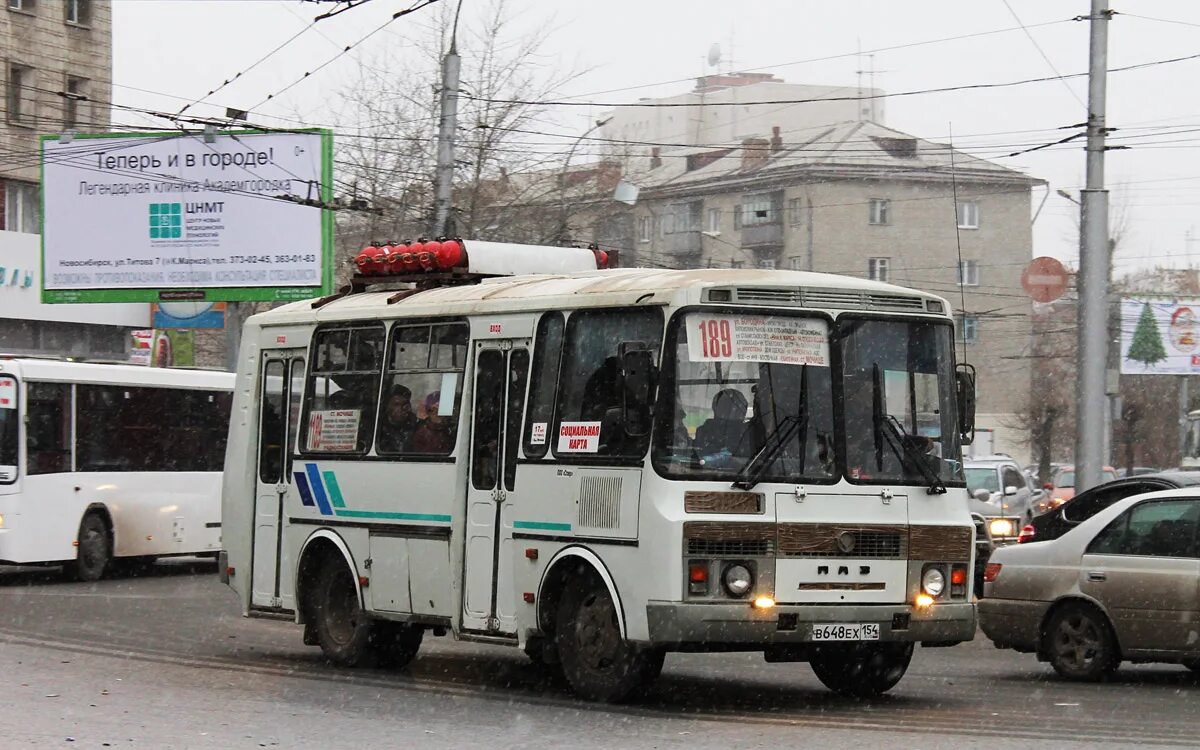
1045	279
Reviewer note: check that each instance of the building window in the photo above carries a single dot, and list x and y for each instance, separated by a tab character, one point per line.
682	217
767	264
19	97
877	269
796	211
968	328
21	207
759	209
968	215
79	12
795	263
714	220
968	273
25	5
880	211
644	229
74	102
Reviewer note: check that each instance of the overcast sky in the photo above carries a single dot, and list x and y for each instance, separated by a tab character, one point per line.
183	48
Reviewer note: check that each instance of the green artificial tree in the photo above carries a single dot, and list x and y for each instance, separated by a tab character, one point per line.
1147	346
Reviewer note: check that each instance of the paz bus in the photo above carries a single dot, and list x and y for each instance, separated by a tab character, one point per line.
104	462
600	466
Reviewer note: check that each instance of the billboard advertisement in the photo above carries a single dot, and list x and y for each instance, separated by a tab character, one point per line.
157	217
1160	337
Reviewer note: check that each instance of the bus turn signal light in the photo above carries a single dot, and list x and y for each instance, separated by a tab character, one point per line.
923	600
764	602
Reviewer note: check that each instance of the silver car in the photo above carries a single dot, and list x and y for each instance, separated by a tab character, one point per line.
1122	585
999	491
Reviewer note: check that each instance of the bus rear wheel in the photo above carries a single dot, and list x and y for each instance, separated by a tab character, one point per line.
93	552
597	661
861	670
344	631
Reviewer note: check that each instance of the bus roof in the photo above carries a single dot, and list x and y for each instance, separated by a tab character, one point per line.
615	287
64	371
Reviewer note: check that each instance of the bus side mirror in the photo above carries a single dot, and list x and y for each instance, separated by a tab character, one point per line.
964	380
640	376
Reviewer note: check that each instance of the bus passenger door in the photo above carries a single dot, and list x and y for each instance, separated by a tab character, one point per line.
281	389
501	376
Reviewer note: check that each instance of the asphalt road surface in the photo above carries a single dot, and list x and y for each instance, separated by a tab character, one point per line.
163	660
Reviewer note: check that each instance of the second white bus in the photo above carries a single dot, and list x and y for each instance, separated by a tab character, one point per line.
102	462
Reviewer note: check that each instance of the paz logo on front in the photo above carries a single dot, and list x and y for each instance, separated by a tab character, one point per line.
166	221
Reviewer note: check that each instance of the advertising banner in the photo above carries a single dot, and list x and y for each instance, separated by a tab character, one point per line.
163	217
1160	337
188	315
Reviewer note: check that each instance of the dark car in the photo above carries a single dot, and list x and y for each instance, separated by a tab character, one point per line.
1083	506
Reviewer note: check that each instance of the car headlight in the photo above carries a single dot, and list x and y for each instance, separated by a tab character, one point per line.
1001	527
933	581
738	580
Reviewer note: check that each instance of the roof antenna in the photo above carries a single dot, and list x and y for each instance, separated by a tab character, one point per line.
962	289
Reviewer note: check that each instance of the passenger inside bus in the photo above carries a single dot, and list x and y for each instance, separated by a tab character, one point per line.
435	434
399	421
727	430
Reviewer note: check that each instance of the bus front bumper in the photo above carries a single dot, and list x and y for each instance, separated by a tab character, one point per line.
738	624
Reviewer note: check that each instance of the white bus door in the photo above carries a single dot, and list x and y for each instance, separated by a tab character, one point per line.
281	389
501	375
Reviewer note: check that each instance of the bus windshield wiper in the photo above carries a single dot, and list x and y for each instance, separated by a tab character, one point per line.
774	443
888	429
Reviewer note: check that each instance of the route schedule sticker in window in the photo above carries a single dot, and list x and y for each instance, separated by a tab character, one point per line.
8	393
579	437
758	338
333	430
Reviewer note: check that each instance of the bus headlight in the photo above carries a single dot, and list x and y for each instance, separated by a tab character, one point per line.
933	582
738	580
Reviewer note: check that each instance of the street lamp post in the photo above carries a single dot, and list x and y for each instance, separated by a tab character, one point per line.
562	181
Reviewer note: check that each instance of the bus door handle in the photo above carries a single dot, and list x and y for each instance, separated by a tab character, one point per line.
1097	576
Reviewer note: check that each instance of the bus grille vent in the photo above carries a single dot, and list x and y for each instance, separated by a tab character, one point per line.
894	302
599	502
729	547
777	295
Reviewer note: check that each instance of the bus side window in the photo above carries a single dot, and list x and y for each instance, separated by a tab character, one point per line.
270	431
591	386
340	408
48	430
546	356
422	386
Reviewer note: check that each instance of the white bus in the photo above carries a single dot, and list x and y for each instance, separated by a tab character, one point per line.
603	466
104	461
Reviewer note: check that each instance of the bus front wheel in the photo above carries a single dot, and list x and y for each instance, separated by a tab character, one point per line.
597	661
862	670
344	630
93	551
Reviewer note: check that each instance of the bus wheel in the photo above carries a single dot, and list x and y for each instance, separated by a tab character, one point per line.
598	663
344	631
862	670
396	643
93	553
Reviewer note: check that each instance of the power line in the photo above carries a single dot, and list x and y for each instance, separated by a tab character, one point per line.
1042	52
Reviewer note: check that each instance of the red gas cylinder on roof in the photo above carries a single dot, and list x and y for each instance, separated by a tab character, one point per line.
395	265
450	255
427	257
366	258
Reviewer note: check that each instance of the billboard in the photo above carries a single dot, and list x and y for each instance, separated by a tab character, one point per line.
155	217
1160	337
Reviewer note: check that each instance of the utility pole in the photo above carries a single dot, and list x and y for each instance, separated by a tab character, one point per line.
1091	404
446	131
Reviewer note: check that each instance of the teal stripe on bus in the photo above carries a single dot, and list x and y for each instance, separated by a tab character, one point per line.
335	492
541	525
389	515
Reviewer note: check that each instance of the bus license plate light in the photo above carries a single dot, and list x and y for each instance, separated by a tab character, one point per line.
845	631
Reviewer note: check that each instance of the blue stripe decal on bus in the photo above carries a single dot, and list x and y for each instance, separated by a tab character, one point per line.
437	517
541	525
335	492
302	485
314	475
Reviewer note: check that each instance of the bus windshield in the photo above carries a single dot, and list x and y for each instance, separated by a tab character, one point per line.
8	428
897	379
747	393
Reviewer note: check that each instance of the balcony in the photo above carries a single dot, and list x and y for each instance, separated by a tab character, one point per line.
682	243
760	235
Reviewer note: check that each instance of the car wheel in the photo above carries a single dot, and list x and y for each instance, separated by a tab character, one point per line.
345	632
597	661
861	670
93	553
1080	643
